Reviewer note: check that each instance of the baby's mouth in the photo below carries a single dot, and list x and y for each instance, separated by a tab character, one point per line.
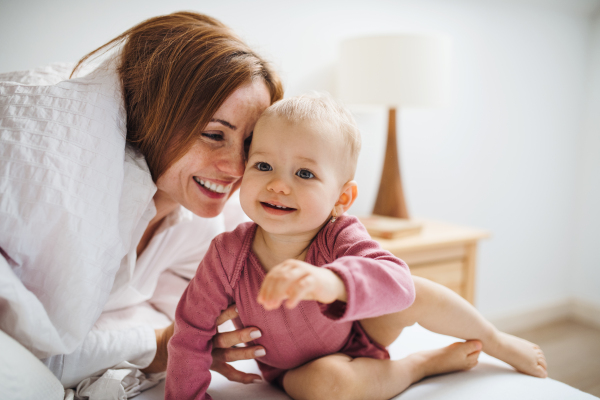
213	187
277	207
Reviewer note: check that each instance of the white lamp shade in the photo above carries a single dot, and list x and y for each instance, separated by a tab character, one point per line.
399	71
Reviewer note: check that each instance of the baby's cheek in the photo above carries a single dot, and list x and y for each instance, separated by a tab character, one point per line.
245	198
322	206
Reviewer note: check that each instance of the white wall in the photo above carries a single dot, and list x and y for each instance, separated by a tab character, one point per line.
508	155
586	284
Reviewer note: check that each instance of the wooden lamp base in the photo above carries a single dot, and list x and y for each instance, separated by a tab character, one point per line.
390	217
390	198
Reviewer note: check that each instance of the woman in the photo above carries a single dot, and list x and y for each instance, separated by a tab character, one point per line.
97	175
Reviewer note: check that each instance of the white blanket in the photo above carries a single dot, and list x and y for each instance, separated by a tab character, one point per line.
490	380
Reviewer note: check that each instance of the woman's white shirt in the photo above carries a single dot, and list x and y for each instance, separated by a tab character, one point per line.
74	202
145	294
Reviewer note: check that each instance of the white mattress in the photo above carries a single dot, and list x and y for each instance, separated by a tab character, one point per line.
491	379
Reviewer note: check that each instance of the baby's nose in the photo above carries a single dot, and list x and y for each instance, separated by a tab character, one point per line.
279	185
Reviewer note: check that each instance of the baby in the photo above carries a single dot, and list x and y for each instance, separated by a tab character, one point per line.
326	297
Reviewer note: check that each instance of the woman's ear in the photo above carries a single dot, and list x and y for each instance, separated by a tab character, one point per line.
347	197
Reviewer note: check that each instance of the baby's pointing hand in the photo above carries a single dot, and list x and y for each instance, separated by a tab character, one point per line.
294	281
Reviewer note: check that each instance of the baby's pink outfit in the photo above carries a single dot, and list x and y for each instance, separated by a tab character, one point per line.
377	283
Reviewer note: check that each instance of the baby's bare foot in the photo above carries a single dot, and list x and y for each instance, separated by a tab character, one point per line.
456	357
524	356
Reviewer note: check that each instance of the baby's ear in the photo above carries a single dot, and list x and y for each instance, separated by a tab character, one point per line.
347	197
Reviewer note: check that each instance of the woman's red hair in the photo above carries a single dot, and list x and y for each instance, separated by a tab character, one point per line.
176	71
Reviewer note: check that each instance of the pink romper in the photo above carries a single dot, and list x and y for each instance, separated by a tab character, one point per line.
377	283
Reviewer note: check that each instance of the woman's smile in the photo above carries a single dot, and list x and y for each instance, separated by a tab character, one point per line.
212	189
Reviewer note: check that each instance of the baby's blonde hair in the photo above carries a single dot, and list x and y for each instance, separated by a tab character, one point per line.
322	108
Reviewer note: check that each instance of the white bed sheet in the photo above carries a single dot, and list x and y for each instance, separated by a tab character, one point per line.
491	379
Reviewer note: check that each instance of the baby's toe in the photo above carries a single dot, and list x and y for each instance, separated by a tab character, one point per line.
541	372
472	346
541	359
472	360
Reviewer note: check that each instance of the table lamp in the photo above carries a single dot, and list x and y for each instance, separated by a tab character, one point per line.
398	71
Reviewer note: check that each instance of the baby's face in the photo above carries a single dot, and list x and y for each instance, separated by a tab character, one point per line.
292	179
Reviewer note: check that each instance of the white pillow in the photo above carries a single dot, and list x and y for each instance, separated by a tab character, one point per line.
22	376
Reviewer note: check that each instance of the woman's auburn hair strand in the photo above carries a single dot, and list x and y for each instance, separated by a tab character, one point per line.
176	71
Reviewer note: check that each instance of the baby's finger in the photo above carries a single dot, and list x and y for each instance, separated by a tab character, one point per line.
274	288
271	279
278	292
265	295
271	302
302	290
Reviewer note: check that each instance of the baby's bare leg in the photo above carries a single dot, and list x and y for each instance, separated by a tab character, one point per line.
440	310
339	376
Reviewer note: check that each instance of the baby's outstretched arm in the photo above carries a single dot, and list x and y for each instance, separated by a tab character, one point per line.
293	281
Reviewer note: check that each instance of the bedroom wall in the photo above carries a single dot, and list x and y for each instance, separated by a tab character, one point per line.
508	155
586	284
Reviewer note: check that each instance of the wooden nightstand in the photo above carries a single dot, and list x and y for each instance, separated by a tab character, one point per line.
441	252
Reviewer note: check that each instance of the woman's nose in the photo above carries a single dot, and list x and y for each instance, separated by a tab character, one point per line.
232	162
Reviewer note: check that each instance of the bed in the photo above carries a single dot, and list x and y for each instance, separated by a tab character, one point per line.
23	377
490	380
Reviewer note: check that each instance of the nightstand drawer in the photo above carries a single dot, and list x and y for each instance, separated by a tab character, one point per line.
428	256
449	274
441	252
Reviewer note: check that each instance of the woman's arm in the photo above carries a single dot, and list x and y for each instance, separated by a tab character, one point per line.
223	351
102	350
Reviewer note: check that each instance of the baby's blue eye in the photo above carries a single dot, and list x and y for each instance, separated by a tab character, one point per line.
305	174
263	166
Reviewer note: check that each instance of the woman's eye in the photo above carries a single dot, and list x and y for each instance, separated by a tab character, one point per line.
305	174
263	166
217	137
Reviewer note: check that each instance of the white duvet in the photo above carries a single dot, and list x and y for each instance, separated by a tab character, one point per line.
62	160
490	380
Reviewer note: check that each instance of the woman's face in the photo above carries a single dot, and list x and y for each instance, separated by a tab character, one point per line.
204	178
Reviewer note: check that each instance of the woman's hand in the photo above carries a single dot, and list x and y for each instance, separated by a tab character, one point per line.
295	280
159	364
224	352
